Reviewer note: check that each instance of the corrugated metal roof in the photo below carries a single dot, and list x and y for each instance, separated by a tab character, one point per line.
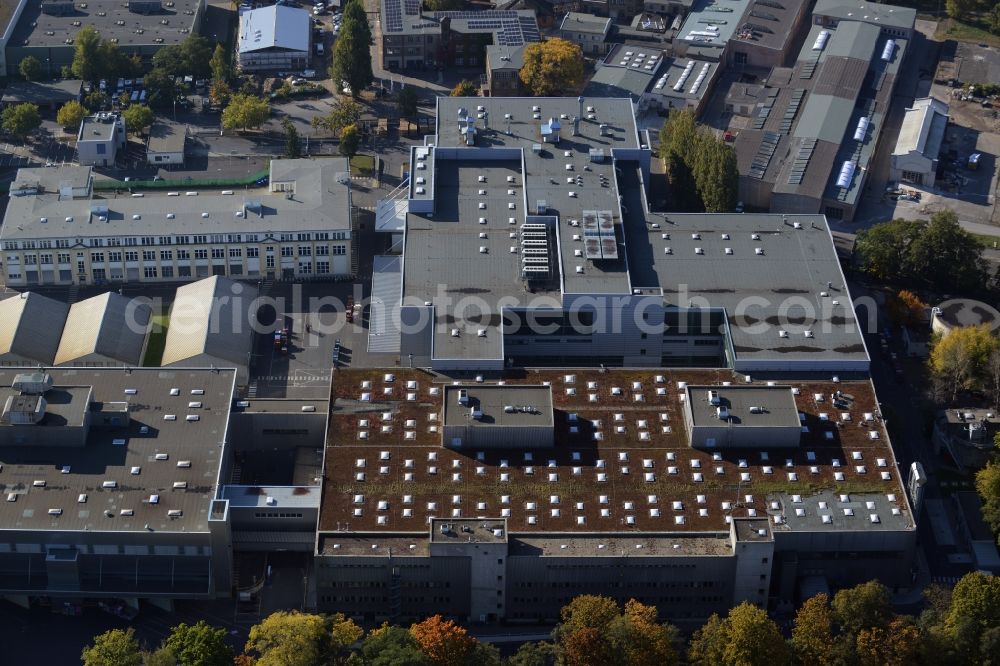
30	326
110	325
277	26
210	317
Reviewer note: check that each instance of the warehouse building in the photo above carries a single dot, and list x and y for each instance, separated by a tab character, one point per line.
814	127
212	323
528	241
915	157
108	329
59	230
47	29
631	501
276	37
31	328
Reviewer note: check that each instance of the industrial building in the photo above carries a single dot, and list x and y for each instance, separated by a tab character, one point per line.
212	324
276	37
915	156
110	481
30	329
526	239
624	498
58	229
413	38
47	29
814	126
108	329
590	33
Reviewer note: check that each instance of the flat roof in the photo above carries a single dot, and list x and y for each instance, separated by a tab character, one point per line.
626	70
94	128
795	285
368	462
684	73
277	498
705	26
869	12
112	19
448	531
509	27
41	92
776	406
126	456
166	137
532	405
586	23
321	201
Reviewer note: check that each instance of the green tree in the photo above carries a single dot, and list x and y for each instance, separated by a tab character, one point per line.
960	9
747	637
116	647
812	635
162	656
350	141
219	92
161	87
288	639
20	119
883	248
245	111
343	113
199	645
221	68
988	486
945	256
715	173
993	19
465	88
138	118
95	100
533	654
552	67
391	646
356	20
293	143
70	115
351	62
406	102
86	63
862	607
192	57
31	68
112	62
974	615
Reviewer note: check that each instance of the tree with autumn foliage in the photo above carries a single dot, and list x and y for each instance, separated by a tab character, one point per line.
446	643
906	309
551	67
896	644
595	630
812	635
747	637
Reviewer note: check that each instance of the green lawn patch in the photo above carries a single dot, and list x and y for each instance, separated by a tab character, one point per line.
157	341
362	165
987	241
974	30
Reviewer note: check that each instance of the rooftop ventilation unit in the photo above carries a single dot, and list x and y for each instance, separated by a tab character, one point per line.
32	383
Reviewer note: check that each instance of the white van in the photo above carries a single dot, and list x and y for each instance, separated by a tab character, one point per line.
319	49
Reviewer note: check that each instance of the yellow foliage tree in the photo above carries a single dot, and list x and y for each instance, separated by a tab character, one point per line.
959	360
552	67
906	309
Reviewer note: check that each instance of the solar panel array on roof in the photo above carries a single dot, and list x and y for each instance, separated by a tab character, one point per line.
793	108
765	151
801	161
770	3
761	118
808	69
393	16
